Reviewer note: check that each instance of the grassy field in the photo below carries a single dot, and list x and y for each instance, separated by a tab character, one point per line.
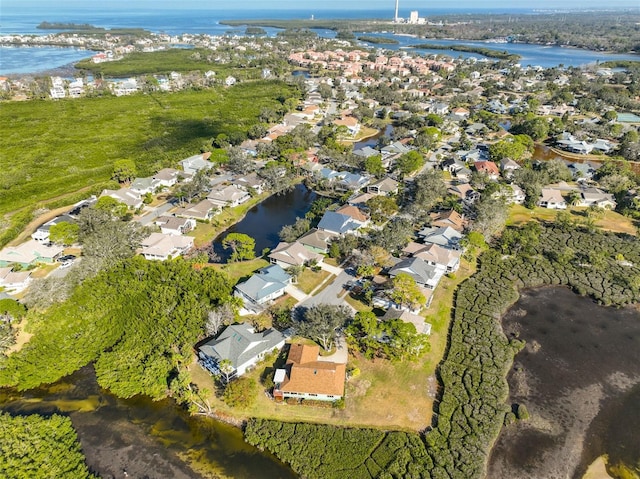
52	148
241	269
611	221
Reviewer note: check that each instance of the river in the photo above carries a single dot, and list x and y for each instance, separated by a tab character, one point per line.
264	221
579	377
147	439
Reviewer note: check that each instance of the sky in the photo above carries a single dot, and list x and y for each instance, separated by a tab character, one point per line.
323	4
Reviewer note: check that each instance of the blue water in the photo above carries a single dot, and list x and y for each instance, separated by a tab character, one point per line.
20	20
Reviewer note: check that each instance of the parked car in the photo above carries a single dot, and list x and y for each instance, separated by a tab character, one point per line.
66	258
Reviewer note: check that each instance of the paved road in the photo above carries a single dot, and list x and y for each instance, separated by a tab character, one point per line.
341	356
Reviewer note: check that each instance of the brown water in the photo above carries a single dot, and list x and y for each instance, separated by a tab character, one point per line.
145	439
544	153
579	376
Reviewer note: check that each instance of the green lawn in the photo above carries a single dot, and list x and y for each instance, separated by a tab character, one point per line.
241	269
52	148
309	280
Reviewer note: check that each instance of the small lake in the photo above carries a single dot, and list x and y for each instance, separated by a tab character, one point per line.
145	438
372	141
264	221
579	377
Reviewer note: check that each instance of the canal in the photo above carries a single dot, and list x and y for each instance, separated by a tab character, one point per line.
144	438
579	377
264	221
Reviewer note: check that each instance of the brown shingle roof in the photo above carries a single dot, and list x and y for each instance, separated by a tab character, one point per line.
305	374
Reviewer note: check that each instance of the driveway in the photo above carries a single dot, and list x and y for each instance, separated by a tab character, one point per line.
333	294
341	356
155	213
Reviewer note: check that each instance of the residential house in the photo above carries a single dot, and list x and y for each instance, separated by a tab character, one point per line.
449	218
317	241
446	237
435	255
366	152
41	235
242	346
489	168
173	225
354	213
465	192
511	193
293	254
351	123
508	166
386	186
231	195
265	285
14	281
552	199
351	181
195	163
167	177
125	195
596	197
424	274
142	186
29	253
252	181
418	321
338	224
582	171
161	247
306	376
203	211
360	200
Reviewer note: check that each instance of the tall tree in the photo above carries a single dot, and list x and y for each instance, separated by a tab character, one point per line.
242	246
64	233
124	171
406	292
321	322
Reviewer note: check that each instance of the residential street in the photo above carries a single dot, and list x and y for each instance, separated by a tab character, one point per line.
155	213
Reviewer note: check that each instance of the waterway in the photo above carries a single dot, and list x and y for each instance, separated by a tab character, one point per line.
143	438
264	221
579	377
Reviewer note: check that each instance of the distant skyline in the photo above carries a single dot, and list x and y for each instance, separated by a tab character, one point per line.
319	5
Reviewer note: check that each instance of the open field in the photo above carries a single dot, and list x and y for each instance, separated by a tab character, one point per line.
58	147
611	221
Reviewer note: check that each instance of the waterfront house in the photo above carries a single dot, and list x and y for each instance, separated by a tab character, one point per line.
337	223
203	211
242	346
317	241
231	195
293	254
306	376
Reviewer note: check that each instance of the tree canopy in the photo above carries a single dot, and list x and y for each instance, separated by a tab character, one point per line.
242	246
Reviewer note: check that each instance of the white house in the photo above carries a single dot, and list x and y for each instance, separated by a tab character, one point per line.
162	247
